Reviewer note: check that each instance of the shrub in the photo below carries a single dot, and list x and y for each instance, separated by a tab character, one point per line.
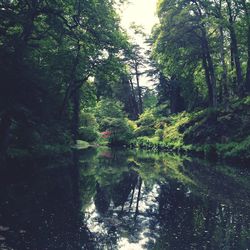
88	120
107	108
111	117
171	133
132	124
147	118
159	133
88	134
120	131
144	131
235	150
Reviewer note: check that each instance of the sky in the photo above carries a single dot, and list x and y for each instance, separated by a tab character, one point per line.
140	12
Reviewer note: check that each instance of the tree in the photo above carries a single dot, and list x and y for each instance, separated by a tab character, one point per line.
203	34
48	50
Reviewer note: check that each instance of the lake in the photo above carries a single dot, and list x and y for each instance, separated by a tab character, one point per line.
124	199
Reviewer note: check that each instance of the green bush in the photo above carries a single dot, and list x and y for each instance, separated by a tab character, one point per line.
147	118
108	108
235	149
88	134
144	131
111	117
171	133
121	133
88	120
146	142
159	133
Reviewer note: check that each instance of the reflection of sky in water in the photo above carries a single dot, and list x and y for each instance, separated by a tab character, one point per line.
115	219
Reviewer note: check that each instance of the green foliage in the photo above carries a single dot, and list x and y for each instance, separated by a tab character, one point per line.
159	133
111	117
81	145
212	133
120	132
235	150
171	132
88	130
88	134
147	142
108	108
132	125
149	99
194	44
49	51
147	118
88	119
144	131
146	123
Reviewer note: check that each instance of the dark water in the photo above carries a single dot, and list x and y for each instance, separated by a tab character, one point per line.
124	200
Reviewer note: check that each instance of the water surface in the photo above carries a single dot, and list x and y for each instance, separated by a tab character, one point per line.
122	199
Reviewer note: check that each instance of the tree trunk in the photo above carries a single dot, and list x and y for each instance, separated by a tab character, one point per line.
75	116
133	100
209	70
213	79
224	78
176	100
139	88
72	83
234	44
247	14
247	83
207	74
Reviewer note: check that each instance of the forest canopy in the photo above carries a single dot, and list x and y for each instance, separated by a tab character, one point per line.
70	72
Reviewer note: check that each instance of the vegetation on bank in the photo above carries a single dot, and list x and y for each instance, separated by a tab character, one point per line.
72	77
212	133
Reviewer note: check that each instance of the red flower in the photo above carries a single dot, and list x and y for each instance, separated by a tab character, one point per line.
106	134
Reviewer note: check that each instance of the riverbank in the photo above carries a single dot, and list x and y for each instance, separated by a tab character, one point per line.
217	134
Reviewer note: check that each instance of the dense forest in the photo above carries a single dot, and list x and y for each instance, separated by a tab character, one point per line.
71	78
117	138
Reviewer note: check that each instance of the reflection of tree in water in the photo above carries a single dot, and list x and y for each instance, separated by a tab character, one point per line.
195	222
43	211
118	208
102	199
122	189
183	215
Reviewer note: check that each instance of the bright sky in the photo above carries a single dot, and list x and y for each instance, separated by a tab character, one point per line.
140	12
